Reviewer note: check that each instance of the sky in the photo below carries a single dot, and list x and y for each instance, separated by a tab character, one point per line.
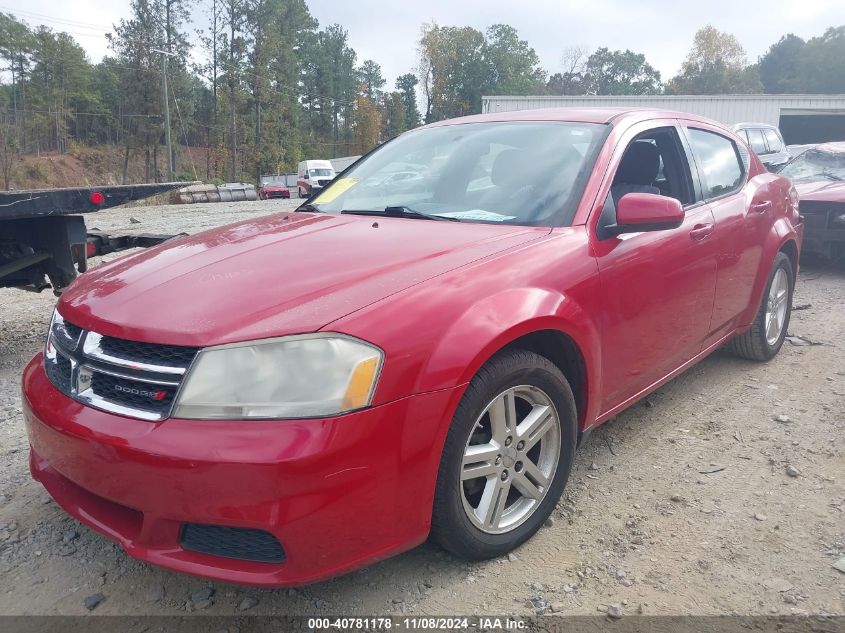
387	31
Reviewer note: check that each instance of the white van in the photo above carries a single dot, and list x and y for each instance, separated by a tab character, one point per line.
312	176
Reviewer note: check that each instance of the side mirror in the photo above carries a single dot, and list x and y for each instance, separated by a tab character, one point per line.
637	212
305	176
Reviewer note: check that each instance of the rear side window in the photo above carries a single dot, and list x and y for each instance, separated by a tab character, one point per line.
718	163
773	141
755	140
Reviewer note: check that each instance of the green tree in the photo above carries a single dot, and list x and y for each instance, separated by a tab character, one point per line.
823	62
140	80
329	85
407	86
277	29
393	115
61	77
233	52
457	65
716	64
782	67
609	72
17	43
370	79
293	24
454	70
514	68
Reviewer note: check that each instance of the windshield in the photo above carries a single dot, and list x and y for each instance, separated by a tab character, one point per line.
322	172
272	180
509	173
815	164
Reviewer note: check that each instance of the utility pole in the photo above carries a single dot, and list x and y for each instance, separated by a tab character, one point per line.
166	105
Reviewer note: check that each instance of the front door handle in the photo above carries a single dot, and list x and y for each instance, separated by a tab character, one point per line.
701	231
761	207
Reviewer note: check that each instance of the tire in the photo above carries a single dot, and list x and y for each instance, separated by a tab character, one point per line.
759	343
302	195
538	387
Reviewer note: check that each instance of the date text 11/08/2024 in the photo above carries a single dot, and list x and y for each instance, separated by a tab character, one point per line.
426	623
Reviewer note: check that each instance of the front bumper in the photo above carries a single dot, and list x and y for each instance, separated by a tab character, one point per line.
336	493
824	232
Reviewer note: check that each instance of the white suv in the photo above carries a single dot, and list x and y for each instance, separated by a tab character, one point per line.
767	143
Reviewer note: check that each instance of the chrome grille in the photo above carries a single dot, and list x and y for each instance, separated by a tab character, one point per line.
129	378
59	372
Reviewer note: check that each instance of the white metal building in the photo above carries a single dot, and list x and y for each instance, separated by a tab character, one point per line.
801	118
340	164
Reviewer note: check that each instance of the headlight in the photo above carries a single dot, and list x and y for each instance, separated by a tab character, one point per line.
293	377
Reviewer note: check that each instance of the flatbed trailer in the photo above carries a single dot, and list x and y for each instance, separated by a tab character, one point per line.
43	239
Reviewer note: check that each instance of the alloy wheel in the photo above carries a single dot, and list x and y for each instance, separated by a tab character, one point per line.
776	306
510	459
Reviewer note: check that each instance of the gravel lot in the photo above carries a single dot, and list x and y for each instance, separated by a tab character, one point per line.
722	493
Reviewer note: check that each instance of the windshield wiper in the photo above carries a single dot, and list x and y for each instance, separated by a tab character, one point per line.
308	207
831	176
401	212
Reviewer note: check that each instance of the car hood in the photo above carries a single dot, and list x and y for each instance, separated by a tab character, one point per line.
823	190
274	187
282	274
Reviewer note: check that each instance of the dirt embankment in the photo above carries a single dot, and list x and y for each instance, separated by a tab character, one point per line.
82	166
722	493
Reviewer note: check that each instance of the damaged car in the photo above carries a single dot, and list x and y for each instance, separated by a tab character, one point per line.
819	177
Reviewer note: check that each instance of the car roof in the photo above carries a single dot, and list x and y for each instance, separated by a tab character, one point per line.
745	126
577	115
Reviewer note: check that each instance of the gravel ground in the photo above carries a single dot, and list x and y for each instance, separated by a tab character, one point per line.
722	493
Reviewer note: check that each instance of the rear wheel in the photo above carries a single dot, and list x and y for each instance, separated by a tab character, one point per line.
765	337
301	195
507	456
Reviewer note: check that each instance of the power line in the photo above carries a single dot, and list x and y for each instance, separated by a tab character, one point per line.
48	18
278	90
71	112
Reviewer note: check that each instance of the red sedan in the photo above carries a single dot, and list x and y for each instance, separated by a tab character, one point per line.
273	187
289	398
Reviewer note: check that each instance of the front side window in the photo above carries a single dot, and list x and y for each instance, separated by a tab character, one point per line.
522	173
654	162
718	163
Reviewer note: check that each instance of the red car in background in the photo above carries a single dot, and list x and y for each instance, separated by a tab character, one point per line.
819	176
273	187
329	387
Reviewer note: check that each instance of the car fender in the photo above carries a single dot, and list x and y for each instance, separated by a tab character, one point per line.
782	232
495	321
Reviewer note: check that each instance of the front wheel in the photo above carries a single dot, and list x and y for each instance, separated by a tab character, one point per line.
507	456
765	337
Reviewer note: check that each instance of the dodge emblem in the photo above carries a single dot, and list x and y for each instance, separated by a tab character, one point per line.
83	379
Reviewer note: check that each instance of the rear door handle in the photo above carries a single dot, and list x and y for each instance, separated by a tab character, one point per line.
701	231
761	207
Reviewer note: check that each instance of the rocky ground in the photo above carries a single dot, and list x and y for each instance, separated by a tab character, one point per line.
722	493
